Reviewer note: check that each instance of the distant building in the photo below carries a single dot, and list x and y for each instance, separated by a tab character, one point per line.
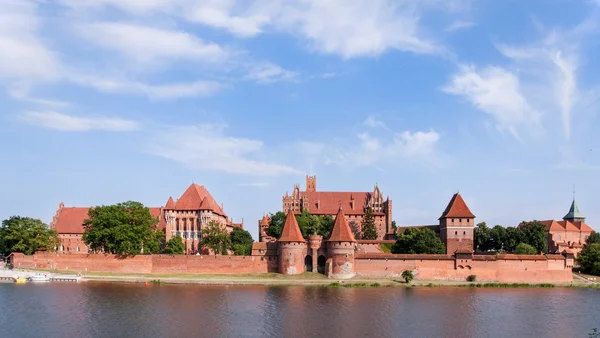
353	203
568	235
185	217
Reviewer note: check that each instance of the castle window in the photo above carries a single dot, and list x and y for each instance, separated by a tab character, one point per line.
456	232
467	220
560	237
464	232
460	220
453	220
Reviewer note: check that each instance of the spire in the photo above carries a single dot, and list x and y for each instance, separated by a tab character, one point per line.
574	214
291	231
341	231
170	204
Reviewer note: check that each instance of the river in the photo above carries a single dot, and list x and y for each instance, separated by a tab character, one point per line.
134	310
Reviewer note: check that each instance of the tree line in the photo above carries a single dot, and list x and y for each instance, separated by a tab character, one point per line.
126	228
528	238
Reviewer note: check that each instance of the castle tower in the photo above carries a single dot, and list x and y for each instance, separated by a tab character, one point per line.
292	247
311	183
340	246
456	226
574	215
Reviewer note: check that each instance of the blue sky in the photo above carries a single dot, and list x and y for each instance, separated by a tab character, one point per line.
104	101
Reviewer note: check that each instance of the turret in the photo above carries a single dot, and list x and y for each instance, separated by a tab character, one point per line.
341	245
456	226
292	247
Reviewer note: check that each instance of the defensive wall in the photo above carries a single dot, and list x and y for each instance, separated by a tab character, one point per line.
492	268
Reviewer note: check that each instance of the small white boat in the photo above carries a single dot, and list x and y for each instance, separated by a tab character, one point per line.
39	278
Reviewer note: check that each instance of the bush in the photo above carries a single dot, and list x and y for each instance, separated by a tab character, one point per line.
408	275
471	278
589	259
525	249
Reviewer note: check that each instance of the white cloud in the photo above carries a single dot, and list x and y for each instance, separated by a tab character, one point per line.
161	92
150	45
269	73
24	56
205	147
495	91
404	147
460	24
63	122
372	122
349	29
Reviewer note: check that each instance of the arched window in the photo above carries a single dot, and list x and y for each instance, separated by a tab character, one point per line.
559	238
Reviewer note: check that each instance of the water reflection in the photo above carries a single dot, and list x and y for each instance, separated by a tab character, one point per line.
127	310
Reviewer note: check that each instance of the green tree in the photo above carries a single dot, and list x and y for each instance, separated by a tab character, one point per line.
215	237
276	224
481	237
594	237
525	249
589	259
408	275
125	228
534	234
394	226
513	237
498	238
369	230
241	242
418	241
174	246
26	235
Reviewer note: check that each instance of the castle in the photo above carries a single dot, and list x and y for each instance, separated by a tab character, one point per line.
342	255
185	217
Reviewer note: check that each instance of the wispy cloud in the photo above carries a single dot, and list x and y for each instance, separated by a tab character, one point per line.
373	122
206	147
495	91
269	73
64	122
460	24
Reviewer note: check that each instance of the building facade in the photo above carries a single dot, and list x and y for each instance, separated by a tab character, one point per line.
185	217
354	205
568	235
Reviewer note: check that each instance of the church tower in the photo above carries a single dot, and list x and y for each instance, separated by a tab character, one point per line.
292	247
341	244
456	226
311	183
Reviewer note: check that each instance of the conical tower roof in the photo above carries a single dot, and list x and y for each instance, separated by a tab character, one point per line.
341	231
291	231
457	208
573	212
170	204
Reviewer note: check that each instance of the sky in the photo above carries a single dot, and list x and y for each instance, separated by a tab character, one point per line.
104	101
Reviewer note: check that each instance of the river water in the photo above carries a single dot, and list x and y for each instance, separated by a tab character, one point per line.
134	310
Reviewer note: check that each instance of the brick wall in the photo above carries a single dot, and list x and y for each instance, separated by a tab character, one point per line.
438	267
158	264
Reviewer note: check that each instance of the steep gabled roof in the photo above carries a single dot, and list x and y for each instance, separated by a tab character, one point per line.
291	231
69	220
265	220
457	208
341	231
170	204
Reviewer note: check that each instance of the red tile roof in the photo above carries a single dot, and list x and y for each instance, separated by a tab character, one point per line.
69	220
552	225
170	204
265	220
328	202
196	197
341	231
291	231
457	208
582	226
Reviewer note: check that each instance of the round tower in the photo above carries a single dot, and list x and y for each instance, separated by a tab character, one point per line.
291	247
341	246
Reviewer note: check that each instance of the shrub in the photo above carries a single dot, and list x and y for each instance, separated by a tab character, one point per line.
471	278
408	275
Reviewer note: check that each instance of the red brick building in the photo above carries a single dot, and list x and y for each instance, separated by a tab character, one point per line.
185	217
570	234
353	203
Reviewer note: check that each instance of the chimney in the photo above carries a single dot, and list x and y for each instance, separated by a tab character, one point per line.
352	202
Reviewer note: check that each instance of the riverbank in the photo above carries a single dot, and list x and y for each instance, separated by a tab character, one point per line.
305	279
